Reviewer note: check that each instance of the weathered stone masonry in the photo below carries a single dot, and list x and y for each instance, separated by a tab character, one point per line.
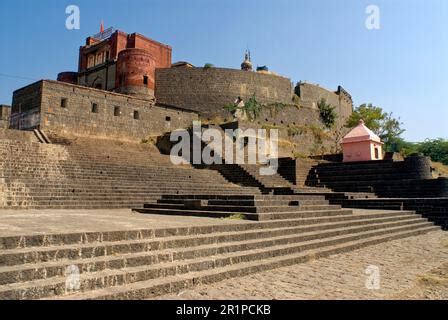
4	116
208	90
77	110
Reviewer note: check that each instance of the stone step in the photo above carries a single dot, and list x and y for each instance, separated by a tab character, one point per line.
355	165
241	240
174	284
238	197
48	269
144	282
239	208
253	202
45	240
245	215
88	174
350	177
101	189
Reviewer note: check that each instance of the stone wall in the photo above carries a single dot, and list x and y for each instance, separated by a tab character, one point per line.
4	116
311	94
208	90
101	77
76	110
301	131
27	98
18	135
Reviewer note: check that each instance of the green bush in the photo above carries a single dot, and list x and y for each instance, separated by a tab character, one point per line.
327	113
437	149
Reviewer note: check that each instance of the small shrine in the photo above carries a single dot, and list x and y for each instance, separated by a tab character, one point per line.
361	144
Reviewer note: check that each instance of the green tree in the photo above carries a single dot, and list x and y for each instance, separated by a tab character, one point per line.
437	149
327	113
382	123
398	144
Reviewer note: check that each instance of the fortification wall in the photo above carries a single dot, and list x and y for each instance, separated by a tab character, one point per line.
76	110
300	126
18	135
208	90
311	94
4	116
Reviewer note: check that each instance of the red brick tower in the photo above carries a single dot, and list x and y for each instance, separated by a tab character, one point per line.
135	72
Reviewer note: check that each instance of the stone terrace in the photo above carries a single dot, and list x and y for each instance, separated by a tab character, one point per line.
121	255
89	173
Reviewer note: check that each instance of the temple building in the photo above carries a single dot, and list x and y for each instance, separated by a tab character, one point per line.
361	144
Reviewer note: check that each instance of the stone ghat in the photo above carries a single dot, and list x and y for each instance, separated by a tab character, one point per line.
148	262
260	208
434	209
388	179
90	173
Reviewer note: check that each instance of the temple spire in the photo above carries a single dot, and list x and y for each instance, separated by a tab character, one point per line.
247	63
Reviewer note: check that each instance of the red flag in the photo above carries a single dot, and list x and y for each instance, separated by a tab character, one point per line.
102	27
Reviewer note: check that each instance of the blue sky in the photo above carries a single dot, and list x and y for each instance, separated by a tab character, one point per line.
402	67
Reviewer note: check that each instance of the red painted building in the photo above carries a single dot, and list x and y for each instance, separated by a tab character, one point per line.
120	62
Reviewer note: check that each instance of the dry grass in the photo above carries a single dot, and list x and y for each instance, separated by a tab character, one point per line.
441	169
237	216
431	280
445	243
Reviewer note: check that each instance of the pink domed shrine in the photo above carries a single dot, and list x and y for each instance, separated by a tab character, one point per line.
361	144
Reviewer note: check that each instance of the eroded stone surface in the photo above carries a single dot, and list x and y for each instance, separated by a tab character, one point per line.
415	267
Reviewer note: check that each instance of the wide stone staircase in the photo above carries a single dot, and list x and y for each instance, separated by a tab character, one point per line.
142	264
254	207
249	171
91	173
388	179
398	185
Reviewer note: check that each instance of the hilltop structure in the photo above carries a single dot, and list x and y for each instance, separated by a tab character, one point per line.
127	88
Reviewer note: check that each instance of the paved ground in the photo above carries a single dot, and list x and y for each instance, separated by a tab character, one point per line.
415	267
411	268
27	222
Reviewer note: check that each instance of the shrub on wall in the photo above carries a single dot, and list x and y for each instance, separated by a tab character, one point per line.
296	100
252	108
208	66
327	112
275	107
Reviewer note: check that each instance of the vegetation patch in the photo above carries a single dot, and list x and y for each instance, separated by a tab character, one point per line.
237	216
208	66
252	108
327	113
150	140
